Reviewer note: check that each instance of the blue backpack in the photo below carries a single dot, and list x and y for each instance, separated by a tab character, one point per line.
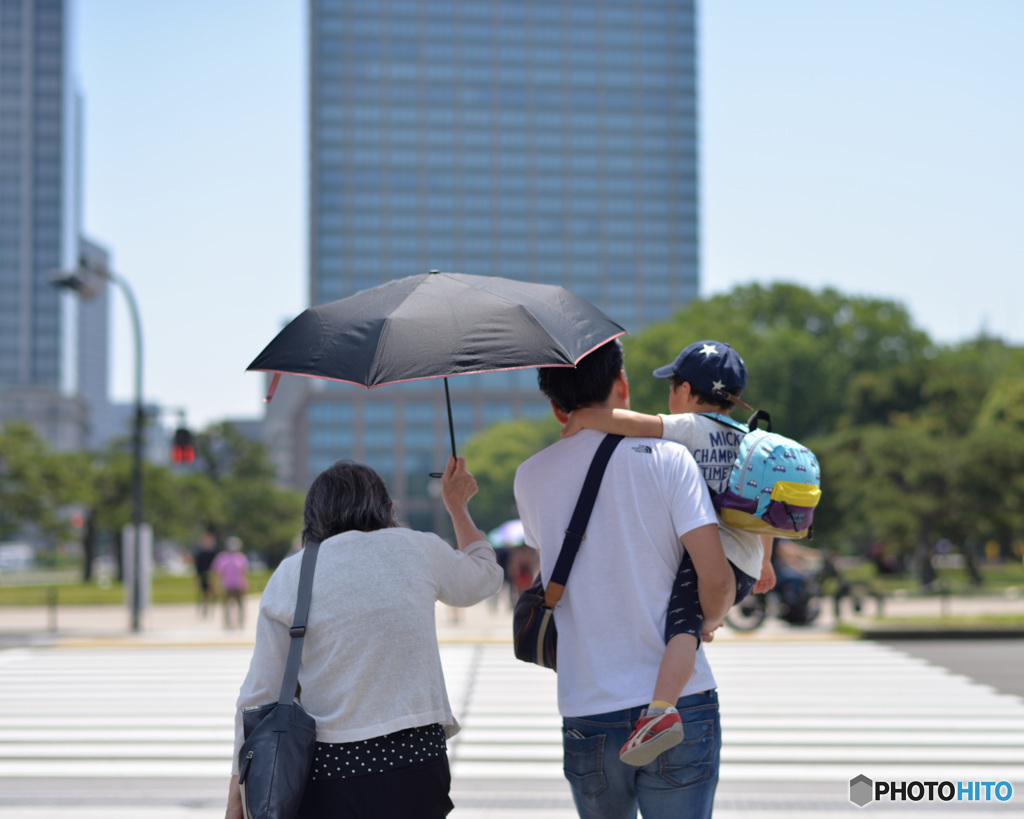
774	484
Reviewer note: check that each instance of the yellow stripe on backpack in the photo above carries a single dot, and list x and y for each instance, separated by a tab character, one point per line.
806	495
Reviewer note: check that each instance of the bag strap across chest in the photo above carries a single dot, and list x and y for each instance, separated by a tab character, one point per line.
577	528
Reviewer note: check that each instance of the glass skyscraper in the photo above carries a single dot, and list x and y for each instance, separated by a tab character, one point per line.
552	141
38	220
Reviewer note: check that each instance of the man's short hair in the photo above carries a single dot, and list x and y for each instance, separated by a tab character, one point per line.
589	382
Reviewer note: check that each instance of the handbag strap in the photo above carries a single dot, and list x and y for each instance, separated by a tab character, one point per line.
298	629
578	523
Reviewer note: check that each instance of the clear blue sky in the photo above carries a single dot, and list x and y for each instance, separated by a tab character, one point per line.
870	145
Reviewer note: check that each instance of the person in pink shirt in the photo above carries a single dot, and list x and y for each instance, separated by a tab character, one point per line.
232	567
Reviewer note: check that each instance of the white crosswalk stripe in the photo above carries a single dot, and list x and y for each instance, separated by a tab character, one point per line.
791	712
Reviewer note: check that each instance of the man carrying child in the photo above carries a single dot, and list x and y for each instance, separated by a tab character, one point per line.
652	503
705	383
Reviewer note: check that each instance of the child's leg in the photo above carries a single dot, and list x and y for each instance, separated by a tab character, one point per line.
683	627
661	728
675	670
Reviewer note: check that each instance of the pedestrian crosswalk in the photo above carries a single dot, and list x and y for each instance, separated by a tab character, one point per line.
120	713
794	712
799	712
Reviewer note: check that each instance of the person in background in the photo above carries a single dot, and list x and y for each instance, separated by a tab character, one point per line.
371	671
232	568
202	559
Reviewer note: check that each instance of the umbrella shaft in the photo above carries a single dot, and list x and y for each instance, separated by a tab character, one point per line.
451	423
451	427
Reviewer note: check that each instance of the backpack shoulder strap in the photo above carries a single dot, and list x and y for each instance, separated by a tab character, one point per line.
725	421
732	423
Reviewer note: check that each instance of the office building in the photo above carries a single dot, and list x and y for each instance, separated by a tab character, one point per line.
543	140
38	221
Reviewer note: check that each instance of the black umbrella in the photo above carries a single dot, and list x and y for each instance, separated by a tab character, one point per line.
435	325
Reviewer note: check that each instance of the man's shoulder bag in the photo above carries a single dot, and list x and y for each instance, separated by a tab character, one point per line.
535	639
280	738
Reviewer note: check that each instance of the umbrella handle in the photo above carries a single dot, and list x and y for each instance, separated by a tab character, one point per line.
451	426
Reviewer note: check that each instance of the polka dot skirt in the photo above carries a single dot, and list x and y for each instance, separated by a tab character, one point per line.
342	760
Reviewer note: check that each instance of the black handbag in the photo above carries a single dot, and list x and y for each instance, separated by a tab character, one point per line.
534	637
280	738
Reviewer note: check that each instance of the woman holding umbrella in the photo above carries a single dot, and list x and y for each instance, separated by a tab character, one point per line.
370	672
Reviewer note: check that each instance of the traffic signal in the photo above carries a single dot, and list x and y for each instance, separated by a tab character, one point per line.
183	450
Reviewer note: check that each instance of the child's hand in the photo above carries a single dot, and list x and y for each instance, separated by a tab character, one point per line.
708	633
572	426
766	582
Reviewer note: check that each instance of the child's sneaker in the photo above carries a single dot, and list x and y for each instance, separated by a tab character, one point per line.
651	737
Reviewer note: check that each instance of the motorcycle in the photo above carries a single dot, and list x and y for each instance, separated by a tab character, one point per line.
798	595
797	602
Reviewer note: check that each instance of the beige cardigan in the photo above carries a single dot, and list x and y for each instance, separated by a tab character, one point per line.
370	663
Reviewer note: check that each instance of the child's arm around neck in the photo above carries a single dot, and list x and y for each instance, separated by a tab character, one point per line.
613	422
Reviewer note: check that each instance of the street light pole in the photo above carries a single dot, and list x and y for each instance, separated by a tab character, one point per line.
78	280
137	447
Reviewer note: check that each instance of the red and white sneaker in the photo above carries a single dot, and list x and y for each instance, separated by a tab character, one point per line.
651	737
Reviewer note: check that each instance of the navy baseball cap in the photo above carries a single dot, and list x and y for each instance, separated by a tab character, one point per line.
711	367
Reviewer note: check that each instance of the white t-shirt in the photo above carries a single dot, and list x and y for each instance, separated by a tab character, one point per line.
611	619
714	447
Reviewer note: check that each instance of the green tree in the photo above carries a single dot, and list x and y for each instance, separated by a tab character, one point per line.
106	494
990	479
35	485
237	478
947	385
1003	405
493	456
803	350
888	483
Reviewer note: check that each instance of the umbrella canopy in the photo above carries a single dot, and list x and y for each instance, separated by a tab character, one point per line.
436	325
510	533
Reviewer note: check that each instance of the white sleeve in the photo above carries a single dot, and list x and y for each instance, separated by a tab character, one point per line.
678	428
467	577
689	498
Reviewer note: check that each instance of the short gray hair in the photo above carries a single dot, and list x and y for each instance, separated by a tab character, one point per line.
346	497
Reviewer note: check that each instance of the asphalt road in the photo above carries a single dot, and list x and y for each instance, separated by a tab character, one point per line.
999	663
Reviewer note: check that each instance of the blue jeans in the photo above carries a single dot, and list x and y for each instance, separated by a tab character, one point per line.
679	784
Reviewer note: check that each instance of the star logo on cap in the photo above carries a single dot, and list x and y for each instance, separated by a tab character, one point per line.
718	386
709	350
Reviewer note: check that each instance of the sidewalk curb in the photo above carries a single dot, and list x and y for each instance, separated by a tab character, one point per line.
942	634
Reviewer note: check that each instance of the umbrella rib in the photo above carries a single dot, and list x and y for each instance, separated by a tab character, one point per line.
384	331
537	323
520	306
382	336
540	327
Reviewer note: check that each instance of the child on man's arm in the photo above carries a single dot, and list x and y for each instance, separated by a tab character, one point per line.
707	376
